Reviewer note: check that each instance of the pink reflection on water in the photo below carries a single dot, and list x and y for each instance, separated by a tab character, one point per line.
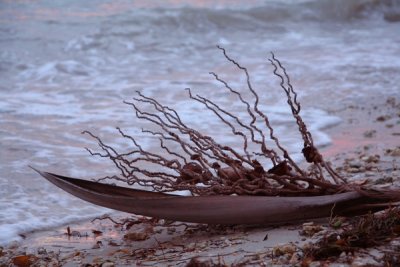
35	10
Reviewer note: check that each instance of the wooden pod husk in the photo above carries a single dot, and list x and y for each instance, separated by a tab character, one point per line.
224	209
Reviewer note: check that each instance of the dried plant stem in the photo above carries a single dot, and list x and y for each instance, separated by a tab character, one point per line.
193	161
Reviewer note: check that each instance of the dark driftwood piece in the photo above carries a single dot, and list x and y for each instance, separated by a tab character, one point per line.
219	209
248	185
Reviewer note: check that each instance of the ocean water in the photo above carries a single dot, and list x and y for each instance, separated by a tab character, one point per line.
67	66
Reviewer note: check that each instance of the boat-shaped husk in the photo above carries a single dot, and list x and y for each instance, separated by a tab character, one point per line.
219	209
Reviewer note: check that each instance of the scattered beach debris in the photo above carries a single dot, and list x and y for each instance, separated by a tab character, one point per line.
361	232
134	236
285	249
24	260
74	233
310	228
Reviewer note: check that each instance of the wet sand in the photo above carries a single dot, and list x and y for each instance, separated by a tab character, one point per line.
365	147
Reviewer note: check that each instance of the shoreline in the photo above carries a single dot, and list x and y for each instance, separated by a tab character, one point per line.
357	150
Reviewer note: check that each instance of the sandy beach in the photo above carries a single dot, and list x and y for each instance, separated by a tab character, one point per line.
363	150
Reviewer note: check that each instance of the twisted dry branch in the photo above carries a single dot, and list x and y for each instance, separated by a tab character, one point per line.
193	161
